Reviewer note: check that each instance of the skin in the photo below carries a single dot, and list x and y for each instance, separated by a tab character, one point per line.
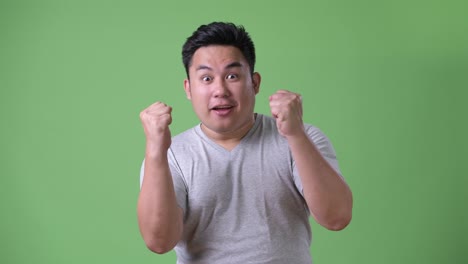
222	91
328	197
159	216
220	78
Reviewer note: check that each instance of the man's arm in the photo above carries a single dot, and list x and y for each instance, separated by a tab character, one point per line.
159	216
328	197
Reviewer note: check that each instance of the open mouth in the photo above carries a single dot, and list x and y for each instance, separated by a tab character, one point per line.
222	107
222	110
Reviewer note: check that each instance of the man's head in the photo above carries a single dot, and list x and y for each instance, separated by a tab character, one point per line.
219	33
219	59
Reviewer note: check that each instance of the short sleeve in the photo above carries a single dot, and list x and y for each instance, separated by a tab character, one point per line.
180	185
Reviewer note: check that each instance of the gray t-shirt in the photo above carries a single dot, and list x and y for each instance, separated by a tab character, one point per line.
244	205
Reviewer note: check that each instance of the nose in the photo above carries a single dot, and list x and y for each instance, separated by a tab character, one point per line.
221	89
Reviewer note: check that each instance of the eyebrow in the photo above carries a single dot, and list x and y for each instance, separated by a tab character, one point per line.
229	66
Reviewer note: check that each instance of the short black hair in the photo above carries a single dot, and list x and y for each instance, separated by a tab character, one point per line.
219	33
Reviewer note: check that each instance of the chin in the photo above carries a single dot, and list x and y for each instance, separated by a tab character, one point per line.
219	126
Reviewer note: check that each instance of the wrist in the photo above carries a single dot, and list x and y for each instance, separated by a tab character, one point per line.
298	138
155	151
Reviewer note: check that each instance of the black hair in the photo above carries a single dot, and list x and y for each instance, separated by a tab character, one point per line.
219	33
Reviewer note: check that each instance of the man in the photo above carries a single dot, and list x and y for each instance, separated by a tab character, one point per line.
239	187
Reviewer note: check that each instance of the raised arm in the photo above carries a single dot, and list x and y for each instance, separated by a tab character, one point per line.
159	216
328	197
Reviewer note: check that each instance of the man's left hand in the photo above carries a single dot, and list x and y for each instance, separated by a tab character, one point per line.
286	108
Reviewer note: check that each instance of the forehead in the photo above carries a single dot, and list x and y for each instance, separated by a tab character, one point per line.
215	56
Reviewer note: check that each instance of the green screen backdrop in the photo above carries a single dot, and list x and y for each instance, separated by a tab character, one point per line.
385	80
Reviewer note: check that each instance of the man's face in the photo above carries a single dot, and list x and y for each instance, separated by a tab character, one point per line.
221	88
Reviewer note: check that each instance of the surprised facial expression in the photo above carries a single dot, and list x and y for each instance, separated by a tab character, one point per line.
222	89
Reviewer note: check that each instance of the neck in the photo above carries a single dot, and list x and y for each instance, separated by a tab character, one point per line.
229	139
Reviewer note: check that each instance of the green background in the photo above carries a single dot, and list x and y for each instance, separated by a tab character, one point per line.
385	80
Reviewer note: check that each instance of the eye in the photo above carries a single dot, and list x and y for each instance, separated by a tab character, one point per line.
207	79
231	76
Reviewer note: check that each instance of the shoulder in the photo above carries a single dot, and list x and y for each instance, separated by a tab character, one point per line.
185	139
267	123
185	135
267	133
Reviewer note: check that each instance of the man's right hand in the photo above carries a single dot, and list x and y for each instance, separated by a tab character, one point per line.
156	120
159	217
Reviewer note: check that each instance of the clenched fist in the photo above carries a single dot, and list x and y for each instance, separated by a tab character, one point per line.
286	108
156	120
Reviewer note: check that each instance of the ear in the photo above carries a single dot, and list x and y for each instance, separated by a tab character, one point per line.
256	79
187	89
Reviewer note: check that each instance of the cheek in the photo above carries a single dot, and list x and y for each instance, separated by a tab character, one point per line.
249	92
199	93
200	99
